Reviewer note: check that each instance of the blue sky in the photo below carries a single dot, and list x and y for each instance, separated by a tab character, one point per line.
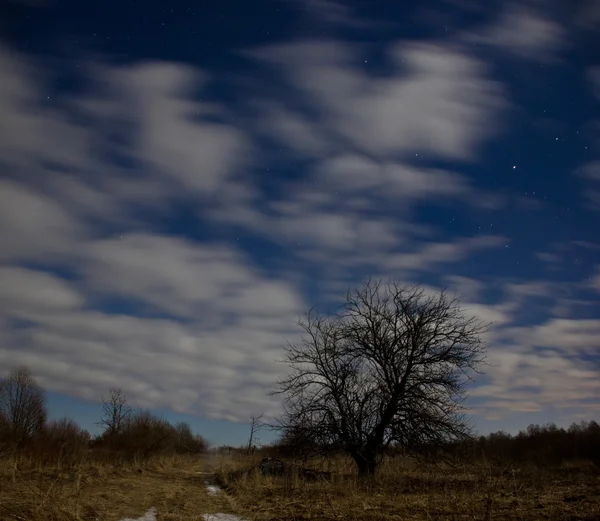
180	182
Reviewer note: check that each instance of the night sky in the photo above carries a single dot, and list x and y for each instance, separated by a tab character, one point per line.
180	181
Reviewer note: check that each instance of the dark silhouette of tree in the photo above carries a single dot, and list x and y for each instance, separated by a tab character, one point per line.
144	434
390	367
255	425
115	412
22	405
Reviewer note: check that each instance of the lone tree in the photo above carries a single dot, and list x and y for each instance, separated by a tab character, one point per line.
256	424
115	412
389	368
22	405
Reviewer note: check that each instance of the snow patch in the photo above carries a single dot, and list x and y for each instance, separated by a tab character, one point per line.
221	517
148	516
212	490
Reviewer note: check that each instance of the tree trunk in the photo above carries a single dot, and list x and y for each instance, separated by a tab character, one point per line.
366	465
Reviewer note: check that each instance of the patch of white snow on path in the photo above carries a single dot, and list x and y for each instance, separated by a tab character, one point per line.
148	516
212	490
221	517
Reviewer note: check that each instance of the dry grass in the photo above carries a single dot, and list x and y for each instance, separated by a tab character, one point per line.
105	492
405	491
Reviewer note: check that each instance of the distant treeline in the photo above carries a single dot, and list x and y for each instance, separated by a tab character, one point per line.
128	434
541	444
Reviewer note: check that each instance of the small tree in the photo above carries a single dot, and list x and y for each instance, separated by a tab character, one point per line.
22	405
391	367
255	425
115	412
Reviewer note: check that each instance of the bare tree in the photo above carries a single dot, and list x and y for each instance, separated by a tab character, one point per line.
115	411
255	424
390	368
22	405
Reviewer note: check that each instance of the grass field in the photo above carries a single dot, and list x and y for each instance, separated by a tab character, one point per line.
403	490
95	492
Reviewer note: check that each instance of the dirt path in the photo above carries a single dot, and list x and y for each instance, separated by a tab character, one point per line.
204	499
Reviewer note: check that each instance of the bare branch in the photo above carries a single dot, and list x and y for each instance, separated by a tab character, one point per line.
115	412
256	424
22	405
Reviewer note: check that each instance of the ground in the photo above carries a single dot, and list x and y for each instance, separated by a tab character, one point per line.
187	489
406	490
175	487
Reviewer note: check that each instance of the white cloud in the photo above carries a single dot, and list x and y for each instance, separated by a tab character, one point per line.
570	336
489	314
331	11
398	181
435	253
187	279
439	101
591	192
523	31
554	299
581	244
540	378
470	288
32	224
545	366
28	289
550	357
549	258
220	364
591	171
32	129
172	137
292	127
149	107
596	280
353	211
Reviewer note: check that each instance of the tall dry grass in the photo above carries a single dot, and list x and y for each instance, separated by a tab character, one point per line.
97	488
405	489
